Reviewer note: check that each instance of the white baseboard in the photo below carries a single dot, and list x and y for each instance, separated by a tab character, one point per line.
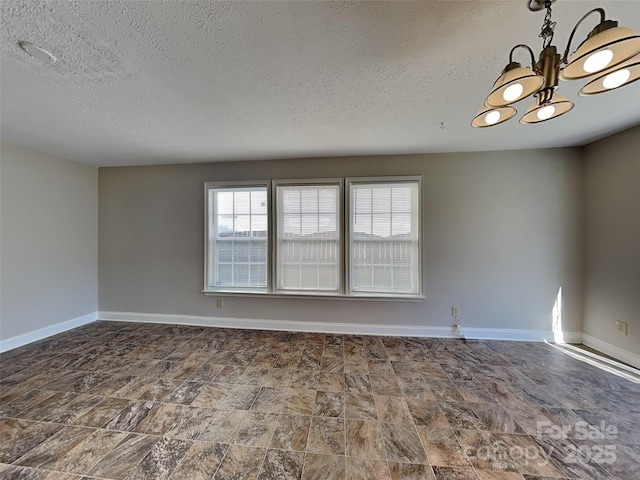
621	354
339	328
29	337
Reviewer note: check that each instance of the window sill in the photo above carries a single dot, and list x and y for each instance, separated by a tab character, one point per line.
358	297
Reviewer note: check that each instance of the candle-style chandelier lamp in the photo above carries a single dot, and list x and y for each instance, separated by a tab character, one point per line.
610	56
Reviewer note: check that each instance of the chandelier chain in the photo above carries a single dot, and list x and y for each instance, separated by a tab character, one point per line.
548	26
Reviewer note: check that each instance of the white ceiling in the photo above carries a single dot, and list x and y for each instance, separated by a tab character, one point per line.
150	82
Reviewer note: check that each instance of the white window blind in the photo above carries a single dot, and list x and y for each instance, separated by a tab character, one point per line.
384	245
308	254
238	238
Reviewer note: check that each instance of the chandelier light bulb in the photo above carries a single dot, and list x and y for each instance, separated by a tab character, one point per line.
513	92
598	61
617	78
546	112
492	117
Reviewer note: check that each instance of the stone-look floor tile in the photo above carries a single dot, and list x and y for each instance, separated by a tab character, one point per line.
230	374
457	372
185	394
255	376
330	382
474	392
357	384
89	452
264	359
279	377
385	385
367	469
256	430
163	369
135	387
327	435
291	432
242	358
20	436
445	391
240	463
392	409
206	373
299	401
332	364
22	399
495	418
269	400
289	360
54	447
324	467
538	460
161	460
240	397
357	365
120	461
498	475
415	390
624	466
364	440
200	462
460	415
380	367
64	382
360	407
426	413
61	407
402	444
48	475
442	447
477	390
190	423
329	404
160	390
160	419
13	472
212	395
89	381
484	451
410	471
282	465
129	417
102	413
454	473
223	426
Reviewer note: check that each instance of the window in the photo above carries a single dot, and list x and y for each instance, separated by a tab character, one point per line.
237	237
325	238
308	246
384	237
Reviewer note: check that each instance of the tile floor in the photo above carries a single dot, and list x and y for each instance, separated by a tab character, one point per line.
115	400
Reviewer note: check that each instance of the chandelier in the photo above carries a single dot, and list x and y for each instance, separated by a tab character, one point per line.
609	55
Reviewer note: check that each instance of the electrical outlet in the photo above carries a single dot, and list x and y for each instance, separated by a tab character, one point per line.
455	312
622	327
219	303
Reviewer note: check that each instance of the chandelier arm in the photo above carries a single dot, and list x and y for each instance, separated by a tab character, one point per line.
522	45
573	32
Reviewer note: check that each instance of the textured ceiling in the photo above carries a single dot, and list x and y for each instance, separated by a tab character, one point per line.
148	82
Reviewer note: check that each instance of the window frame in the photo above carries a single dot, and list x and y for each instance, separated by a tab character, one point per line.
208	205
344	265
341	231
349	231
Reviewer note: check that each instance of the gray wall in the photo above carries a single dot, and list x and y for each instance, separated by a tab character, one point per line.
49	233
501	234
612	237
